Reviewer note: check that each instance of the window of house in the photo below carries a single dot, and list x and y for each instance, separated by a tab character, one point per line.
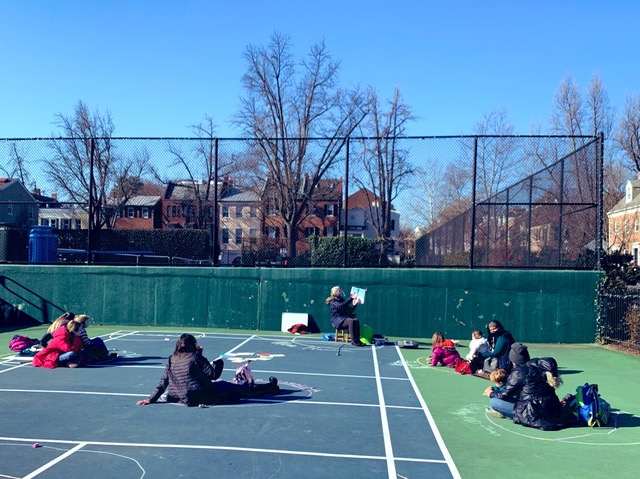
310	231
53	223
78	224
311	209
271	209
32	215
238	235
145	212
238	211
253	212
44	222
393	225
10	210
330	210
635	225
225	211
131	212
616	227
330	231
174	211
253	235
626	226
272	232
225	235
66	223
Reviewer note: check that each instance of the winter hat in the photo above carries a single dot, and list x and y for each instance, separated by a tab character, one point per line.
519	354
493	324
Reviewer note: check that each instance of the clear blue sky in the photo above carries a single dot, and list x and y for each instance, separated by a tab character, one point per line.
160	66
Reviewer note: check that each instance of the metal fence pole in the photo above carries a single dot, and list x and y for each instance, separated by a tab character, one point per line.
600	219
92	186
473	203
346	207
214	225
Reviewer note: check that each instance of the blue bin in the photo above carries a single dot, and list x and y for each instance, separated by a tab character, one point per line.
43	245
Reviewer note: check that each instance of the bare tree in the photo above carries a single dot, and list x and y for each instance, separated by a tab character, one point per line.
285	104
198	165
86	136
16	166
629	132
384	164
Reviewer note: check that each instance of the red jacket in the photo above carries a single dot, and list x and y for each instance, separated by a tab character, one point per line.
63	342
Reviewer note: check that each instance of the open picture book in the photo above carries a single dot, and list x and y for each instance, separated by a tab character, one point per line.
360	293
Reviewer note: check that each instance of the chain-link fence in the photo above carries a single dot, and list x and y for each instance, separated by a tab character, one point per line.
619	319
477	201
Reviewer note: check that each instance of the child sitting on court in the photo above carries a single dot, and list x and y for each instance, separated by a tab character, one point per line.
499	378
445	353
477	345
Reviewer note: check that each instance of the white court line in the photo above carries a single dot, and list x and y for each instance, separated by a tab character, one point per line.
388	447
436	432
55	461
14	367
217	448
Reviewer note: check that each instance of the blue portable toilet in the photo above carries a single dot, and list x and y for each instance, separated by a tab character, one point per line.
43	245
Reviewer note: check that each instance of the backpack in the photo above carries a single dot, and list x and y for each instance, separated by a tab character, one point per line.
18	343
462	366
244	376
589	408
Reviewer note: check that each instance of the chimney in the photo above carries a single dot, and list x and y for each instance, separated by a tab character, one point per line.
54	196
36	191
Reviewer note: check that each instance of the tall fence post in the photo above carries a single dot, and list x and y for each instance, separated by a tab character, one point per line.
346	206
473	203
600	219
92	187
214	225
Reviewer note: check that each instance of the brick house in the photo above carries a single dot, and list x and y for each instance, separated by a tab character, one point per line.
140	213
624	221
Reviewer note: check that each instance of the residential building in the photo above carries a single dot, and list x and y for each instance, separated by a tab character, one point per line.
58	215
624	222
365	217
140	213
320	218
189	204
240	223
18	207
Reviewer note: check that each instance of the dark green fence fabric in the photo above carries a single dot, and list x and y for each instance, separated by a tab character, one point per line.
536	306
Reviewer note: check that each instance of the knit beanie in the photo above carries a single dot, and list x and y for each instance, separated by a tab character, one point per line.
492	324
519	354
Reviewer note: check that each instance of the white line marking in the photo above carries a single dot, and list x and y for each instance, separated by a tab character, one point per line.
388	447
55	461
436	432
220	448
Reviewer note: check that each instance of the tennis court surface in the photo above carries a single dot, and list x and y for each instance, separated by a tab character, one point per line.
343	412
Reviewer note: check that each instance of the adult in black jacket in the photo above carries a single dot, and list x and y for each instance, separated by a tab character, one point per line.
190	379
342	314
529	396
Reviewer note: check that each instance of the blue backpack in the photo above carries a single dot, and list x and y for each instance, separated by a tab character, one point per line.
589	408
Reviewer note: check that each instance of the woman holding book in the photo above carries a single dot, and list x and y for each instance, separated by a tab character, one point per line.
342	313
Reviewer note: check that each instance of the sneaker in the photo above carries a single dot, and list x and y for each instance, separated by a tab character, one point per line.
494	413
72	365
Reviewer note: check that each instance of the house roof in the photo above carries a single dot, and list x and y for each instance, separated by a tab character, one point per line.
622	205
234	195
143	201
363	199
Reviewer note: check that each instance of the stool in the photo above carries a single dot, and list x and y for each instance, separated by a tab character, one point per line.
342	334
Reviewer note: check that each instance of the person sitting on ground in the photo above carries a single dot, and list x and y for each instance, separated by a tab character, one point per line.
59	321
93	350
499	341
342	313
529	395
445	353
477	345
63	350
190	379
499	379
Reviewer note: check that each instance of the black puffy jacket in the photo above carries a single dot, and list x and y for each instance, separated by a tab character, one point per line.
537	404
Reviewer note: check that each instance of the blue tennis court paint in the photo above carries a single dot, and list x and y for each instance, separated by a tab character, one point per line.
356	414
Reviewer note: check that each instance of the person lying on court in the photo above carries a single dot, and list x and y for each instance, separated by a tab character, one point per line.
190	379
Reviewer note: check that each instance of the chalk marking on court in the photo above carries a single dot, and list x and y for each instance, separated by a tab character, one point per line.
219	448
436	432
55	461
386	434
570	439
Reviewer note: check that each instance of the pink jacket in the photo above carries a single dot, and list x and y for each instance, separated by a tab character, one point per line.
446	356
